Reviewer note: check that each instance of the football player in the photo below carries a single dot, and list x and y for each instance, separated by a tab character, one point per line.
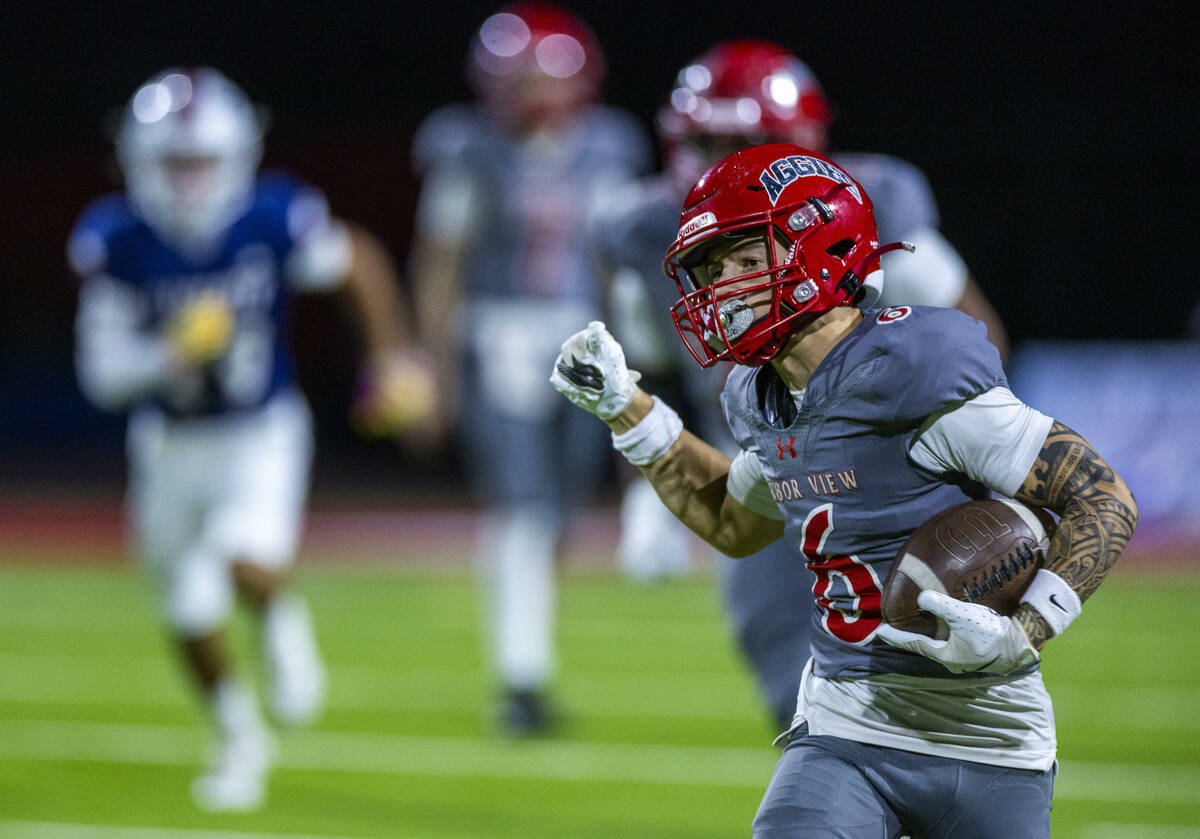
503	265
854	426
741	93
187	280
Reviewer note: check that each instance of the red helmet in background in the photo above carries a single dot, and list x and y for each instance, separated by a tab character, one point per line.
742	92
534	63
822	251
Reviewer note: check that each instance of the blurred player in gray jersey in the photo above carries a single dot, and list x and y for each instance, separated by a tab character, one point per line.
855	425
740	93
503	263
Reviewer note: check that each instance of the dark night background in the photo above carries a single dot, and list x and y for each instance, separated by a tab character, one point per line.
1059	140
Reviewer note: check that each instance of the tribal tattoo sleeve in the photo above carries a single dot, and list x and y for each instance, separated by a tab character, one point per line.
1098	515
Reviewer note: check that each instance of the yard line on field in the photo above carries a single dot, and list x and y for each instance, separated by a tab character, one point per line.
542	760
146	681
402	755
1128	782
1104	830
88	681
66	830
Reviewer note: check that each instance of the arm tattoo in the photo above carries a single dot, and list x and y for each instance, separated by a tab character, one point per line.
1098	516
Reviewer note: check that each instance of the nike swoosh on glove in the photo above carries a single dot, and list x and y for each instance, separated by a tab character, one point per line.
980	638
590	371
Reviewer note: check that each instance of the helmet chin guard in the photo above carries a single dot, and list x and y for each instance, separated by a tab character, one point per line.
822	251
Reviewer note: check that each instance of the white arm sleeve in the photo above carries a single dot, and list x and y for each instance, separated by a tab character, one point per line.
933	275
115	360
446	208
320	257
993	438
747	484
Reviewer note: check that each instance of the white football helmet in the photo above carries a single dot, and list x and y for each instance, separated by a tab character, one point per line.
189	145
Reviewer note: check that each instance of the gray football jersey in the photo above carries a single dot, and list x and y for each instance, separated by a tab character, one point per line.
533	202
838	466
899	190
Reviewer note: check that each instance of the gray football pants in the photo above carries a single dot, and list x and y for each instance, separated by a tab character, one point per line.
830	788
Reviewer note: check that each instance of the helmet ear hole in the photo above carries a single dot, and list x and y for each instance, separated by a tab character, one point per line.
840	248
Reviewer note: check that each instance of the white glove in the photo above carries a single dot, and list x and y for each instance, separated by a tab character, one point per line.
980	638
590	371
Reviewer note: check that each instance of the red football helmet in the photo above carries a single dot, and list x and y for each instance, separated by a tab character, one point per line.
745	92
821	251
532	63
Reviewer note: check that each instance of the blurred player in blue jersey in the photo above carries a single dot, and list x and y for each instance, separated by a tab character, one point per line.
740	93
855	425
503	262
187	279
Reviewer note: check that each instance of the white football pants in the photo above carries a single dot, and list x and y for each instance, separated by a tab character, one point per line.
203	492
516	556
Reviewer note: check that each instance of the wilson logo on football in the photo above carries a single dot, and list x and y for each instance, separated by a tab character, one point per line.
894	314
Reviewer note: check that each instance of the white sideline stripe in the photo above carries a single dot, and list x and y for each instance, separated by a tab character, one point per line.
60	830
1106	830
554	760
402	755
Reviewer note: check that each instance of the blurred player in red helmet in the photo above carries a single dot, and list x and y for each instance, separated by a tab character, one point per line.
503	261
745	92
853	426
740	93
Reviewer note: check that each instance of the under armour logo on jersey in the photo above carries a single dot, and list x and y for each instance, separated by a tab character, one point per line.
787	169
581	374
789	447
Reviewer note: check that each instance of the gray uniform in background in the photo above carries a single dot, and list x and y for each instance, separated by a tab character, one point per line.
530	277
519	209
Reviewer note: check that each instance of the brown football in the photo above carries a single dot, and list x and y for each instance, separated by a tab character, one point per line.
983	551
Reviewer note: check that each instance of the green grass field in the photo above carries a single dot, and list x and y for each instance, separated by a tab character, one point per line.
665	738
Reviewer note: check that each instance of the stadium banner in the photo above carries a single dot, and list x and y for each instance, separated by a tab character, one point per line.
1138	403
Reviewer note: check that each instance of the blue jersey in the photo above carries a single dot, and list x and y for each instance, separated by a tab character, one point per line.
838	465
247	267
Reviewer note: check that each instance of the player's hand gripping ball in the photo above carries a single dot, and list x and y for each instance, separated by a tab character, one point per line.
201	330
395	393
984	552
977	638
953	585
590	371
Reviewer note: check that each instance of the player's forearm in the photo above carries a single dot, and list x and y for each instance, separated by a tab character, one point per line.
976	304
113	373
690	479
1098	516
374	291
435	267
